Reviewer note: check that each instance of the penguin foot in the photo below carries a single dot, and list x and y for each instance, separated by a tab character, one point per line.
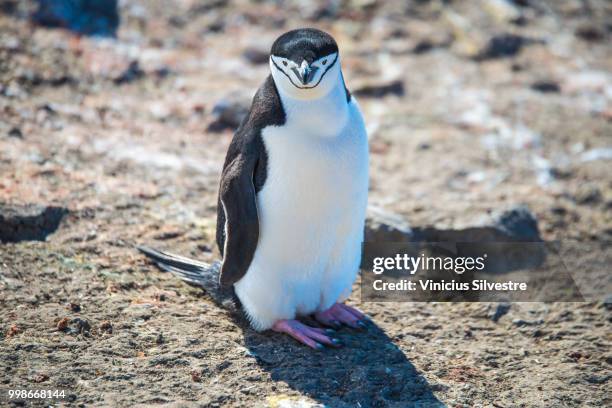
340	314
313	337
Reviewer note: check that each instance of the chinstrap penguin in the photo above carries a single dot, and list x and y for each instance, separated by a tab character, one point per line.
292	197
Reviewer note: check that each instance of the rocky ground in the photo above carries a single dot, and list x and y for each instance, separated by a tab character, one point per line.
471	107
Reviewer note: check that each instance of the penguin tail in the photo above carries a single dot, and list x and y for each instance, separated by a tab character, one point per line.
194	272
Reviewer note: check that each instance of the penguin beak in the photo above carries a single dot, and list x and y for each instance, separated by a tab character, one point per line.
305	72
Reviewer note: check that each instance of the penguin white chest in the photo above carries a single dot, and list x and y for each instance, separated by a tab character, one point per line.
311	211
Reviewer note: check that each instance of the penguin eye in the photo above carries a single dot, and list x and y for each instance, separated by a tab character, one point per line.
324	62
285	63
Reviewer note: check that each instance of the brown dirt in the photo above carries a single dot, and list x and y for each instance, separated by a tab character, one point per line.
134	163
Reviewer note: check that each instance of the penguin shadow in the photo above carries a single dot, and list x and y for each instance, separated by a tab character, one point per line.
368	371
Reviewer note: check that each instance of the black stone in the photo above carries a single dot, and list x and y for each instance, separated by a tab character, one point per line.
546	86
503	46
379	91
87	17
500	311
28	222
132	73
16	133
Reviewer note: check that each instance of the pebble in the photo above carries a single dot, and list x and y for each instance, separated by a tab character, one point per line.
228	113
31	222
255	56
523	323
379	90
503	46
500	310
546	86
16	133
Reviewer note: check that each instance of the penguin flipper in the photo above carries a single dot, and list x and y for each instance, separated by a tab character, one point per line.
244	174
237	198
193	272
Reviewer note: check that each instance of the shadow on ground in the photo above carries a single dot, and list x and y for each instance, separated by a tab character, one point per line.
369	371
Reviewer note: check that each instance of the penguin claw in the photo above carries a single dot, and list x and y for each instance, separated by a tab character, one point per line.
330	331
340	314
337	342
336	324
309	336
354	311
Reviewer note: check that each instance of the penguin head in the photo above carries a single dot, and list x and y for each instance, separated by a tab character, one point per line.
305	63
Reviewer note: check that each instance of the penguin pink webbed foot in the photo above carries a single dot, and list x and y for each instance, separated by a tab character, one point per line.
340	314
313	337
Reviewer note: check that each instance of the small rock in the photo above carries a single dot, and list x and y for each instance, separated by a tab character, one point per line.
28	222
41	377
590	33
602	153
75	307
523	323
559	211
500	310
79	326
587	81
106	326
162	72
588	195
169	234
503	46
195	376
502	10
597	379
98	18
14	90
607	303
423	46
395	87
33	299
132	72
577	355
198	109
511	239
13	331
520	224
16	133
160	110
546	86
9	7
229	113
466	39
255	55
204	248
62	325
516	224
523	3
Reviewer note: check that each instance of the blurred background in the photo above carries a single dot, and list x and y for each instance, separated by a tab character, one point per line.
114	121
469	105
